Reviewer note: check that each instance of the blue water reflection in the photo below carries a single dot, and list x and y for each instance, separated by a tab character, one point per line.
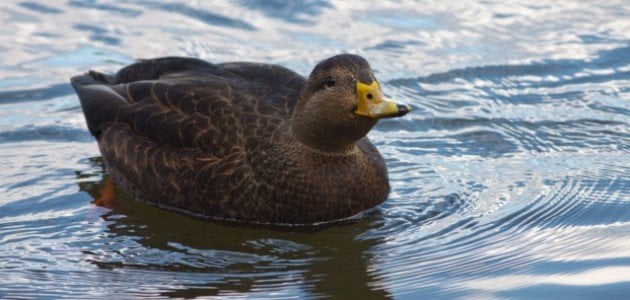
510	179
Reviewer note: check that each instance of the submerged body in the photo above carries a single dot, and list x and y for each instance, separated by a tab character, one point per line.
241	141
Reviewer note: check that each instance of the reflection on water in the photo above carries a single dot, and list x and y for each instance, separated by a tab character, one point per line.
232	257
510	179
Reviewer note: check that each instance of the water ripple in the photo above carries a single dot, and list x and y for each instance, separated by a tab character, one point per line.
509	179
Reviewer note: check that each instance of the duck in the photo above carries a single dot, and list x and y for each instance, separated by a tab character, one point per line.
242	141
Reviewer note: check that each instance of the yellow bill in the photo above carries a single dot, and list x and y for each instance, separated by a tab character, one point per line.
372	104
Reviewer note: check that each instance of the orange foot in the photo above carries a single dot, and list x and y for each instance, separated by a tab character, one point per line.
106	199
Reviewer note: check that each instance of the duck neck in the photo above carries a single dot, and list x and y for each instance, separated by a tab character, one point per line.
327	129
321	142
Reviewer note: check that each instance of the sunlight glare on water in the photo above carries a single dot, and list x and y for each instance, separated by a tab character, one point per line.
510	179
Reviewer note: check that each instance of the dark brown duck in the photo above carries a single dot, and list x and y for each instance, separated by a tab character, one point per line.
242	141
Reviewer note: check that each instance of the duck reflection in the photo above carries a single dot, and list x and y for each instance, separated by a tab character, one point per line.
322	261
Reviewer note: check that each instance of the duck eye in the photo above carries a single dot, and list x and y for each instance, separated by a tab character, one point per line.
330	82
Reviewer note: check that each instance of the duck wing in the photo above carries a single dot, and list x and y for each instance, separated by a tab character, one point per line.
189	103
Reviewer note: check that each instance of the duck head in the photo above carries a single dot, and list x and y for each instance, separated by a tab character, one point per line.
340	103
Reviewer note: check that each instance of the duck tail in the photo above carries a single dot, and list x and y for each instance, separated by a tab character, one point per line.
91	77
99	101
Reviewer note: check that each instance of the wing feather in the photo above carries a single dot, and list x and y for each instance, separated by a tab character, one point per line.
192	104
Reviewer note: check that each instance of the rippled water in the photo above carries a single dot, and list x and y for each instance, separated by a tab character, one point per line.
510	179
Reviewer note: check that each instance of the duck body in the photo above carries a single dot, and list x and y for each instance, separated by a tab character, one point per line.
224	141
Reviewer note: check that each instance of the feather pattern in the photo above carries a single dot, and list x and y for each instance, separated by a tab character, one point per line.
214	140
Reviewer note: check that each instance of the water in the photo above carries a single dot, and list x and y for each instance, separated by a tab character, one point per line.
510	178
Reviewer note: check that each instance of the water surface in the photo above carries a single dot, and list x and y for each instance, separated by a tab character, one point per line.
510	178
